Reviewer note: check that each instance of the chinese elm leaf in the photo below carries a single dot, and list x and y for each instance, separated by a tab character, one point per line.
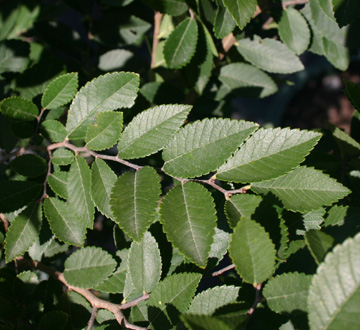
294	31
304	189
252	252
224	23
88	267
202	146
58	183
180	46
144	263
151	130
241	75
313	219
64	223
346	11
13	56
16	194
62	156
29	165
336	285
336	215
203	322
352	91
189	221
208	301
18	108
241	10
102	181
171	7
114	284
288	292
270	55
105	93
134	200
60	91
53	130
337	54
106	132
78	187
114	59
267	154
319	243
220	244
23	231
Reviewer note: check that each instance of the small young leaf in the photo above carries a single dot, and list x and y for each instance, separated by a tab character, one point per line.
16	194
304	189
267	154
336	216
288	292
19	109
58	183
189	221
224	23
208	301
60	91
252	252
62	156
241	75
102	181
270	55
294	31
202	146
134	200
105	93
29	165
241	10
313	219
144	263
180	46
151	130
88	267
65	225
106	132
79	187
23	231
53	130
319	243
337	285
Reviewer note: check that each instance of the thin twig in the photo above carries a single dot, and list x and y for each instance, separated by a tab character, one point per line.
257	299
92	318
5	221
157	22
134	302
224	270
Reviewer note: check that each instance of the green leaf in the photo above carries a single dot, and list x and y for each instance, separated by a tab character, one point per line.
338	55
58	183
319	243
208	301
23	231
29	165
336	215
220	245
151	130
347	144
346	11
224	23
313	219
254	81
64	223
304	189
106	132
88	267
105	93
270	55
79	187
102	181
352	91
288	292
13	56
241	10
241	205
144	263
294	31
171	7
114	59
203	322
53	130
252	252
62	156
16	194
134	200
176	290
267	154
336	285
180	46
203	146
60	91
189	221
19	109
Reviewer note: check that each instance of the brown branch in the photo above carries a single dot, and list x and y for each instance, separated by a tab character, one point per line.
224	270
257	299
92	318
157	21
87	294
5	221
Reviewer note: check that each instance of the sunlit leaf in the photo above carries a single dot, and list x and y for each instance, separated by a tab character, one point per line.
241	10
58	183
